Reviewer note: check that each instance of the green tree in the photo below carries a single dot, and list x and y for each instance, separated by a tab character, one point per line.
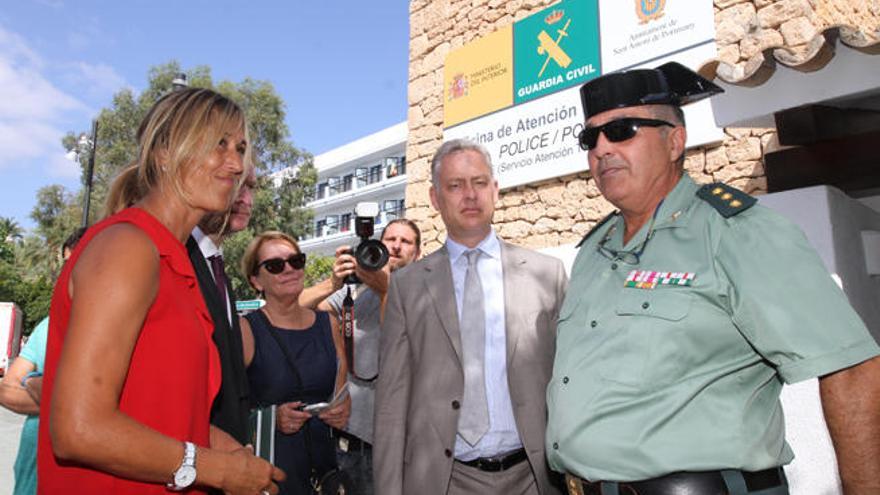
318	267
57	214
9	277
34	297
10	232
31	291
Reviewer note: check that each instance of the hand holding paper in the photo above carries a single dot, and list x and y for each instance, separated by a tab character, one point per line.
338	410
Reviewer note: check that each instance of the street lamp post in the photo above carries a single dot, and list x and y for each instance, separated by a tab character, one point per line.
90	169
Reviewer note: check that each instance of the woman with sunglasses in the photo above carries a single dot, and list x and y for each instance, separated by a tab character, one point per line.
131	370
295	358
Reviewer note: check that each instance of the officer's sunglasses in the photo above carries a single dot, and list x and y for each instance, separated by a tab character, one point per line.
616	130
628	257
276	265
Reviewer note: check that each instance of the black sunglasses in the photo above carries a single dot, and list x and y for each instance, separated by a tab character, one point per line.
276	265
628	257
616	130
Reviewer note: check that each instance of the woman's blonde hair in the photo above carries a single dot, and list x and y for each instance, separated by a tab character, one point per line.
123	191
181	128
250	262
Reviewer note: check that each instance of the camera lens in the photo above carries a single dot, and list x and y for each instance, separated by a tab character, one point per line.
371	255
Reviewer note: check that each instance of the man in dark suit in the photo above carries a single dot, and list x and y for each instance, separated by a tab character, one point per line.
230	410
467	346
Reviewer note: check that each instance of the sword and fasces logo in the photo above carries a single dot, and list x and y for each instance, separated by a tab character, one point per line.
549	46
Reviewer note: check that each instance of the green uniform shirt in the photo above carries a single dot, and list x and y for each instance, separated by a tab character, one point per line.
648	382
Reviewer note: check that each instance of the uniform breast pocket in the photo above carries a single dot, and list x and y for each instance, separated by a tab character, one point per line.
646	324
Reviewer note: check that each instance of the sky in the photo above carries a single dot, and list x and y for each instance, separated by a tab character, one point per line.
340	66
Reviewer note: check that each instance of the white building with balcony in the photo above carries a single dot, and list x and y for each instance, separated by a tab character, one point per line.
372	168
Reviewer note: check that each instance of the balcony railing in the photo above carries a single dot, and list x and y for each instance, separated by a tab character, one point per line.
390	168
327	227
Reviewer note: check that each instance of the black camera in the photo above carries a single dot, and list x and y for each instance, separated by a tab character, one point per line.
370	254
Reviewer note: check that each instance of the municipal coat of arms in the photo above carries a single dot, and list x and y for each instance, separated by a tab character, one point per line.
649	10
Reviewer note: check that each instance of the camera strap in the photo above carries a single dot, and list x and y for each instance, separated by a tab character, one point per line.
348	321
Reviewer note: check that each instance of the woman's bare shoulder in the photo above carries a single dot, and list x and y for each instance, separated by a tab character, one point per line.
120	252
122	240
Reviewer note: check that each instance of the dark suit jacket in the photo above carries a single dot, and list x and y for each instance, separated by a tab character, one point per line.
421	378
231	407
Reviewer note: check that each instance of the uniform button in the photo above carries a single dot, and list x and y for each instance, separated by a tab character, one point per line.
555	446
565	380
447	453
455	404
645	305
614	266
594	323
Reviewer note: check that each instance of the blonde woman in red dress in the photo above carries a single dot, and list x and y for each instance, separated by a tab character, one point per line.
131	370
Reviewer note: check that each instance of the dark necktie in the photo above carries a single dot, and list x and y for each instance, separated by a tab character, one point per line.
219	278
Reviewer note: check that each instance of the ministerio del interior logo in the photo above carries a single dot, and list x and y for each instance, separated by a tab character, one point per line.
555	48
458	87
649	10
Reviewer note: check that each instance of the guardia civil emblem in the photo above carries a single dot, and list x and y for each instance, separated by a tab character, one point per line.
550	47
649	10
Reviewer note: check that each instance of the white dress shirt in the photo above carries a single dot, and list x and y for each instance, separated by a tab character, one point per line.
502	436
208	249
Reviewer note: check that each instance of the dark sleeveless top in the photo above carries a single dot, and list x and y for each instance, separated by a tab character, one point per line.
273	382
173	375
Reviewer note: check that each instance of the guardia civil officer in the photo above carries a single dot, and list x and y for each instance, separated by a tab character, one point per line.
688	309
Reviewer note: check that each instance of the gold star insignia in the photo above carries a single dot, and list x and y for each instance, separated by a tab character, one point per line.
727	200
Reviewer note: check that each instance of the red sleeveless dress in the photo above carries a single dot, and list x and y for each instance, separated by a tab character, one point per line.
174	372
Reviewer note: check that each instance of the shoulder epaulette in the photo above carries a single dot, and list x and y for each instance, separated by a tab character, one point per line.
595	228
729	201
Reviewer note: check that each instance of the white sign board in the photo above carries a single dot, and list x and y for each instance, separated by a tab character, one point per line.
629	41
537	139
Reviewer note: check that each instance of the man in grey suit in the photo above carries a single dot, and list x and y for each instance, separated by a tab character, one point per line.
467	345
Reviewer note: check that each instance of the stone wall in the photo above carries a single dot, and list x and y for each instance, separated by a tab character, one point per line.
559	211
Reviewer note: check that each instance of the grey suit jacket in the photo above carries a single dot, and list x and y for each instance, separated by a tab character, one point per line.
420	369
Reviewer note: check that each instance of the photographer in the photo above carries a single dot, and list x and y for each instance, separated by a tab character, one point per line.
402	239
